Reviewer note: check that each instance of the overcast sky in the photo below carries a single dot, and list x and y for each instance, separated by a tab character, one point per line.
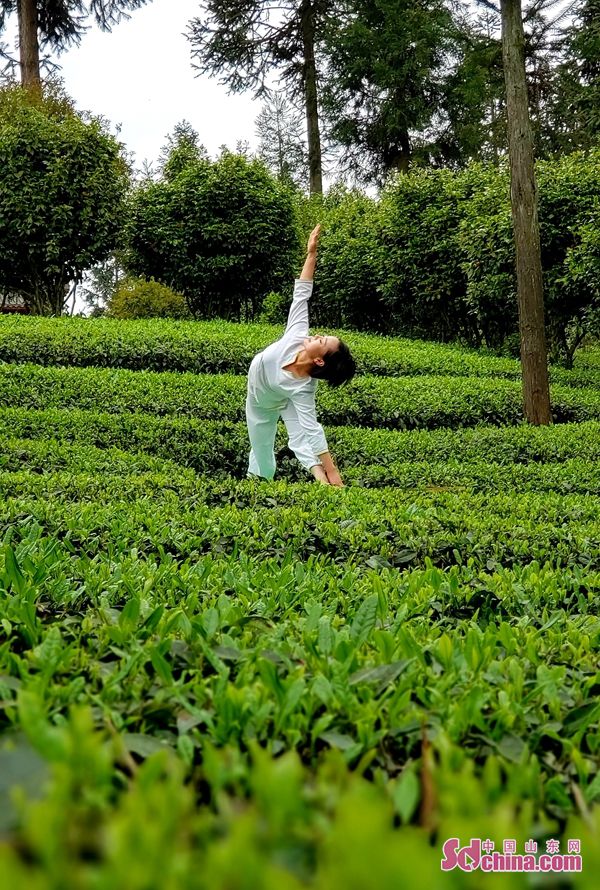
140	76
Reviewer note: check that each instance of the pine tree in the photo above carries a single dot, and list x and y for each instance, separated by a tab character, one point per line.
281	140
583	66
182	149
244	41
386	62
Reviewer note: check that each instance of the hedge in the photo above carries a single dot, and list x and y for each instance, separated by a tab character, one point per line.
221	347
215	447
403	403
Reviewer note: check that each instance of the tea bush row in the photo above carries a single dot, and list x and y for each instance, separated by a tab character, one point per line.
381	527
59	470
403	403
222	447
221	347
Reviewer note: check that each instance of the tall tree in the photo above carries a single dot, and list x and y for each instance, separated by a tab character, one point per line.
578	93
474	97
57	24
472	102
281	140
536	393
385	65
244	41
29	50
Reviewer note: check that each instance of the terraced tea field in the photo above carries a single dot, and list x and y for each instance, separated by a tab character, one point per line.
212	682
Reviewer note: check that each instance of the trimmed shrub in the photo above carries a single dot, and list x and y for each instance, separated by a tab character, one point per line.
350	265
139	298
569	214
423	284
223	234
62	186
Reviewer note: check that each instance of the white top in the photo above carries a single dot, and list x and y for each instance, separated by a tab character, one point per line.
272	387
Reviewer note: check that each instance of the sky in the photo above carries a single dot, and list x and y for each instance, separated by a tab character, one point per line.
140	77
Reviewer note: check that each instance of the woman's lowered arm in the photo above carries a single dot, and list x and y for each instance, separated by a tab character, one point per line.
331	471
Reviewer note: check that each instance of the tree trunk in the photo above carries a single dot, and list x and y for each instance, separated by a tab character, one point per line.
310	94
536	393
397	156
29	48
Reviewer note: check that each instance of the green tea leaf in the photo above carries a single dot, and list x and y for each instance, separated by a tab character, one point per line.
365	619
161	665
581	717
512	747
337	740
406	795
13	572
381	673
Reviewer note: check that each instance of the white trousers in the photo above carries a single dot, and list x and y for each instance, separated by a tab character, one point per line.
262	428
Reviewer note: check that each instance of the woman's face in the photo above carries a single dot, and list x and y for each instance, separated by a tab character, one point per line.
320	345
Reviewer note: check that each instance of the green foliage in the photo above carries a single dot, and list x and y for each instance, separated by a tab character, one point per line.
138	298
568	214
62	183
485	236
268	658
423	284
181	151
382	81
274	309
100	285
434	256
62	24
139	449
215	347
472	99
577	101
350	266
220	233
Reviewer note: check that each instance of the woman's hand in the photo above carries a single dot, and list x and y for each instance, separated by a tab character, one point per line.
320	474
313	239
334	478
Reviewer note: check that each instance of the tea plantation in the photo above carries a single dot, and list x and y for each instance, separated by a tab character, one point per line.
212	682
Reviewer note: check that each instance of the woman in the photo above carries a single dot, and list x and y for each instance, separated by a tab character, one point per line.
282	382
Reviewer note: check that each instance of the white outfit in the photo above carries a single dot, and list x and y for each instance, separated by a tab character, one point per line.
274	392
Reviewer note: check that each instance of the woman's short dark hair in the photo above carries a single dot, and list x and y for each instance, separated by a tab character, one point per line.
338	367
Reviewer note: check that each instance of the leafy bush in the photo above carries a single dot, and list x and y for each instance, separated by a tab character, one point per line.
62	185
568	213
349	269
220	233
275	309
139	298
423	284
